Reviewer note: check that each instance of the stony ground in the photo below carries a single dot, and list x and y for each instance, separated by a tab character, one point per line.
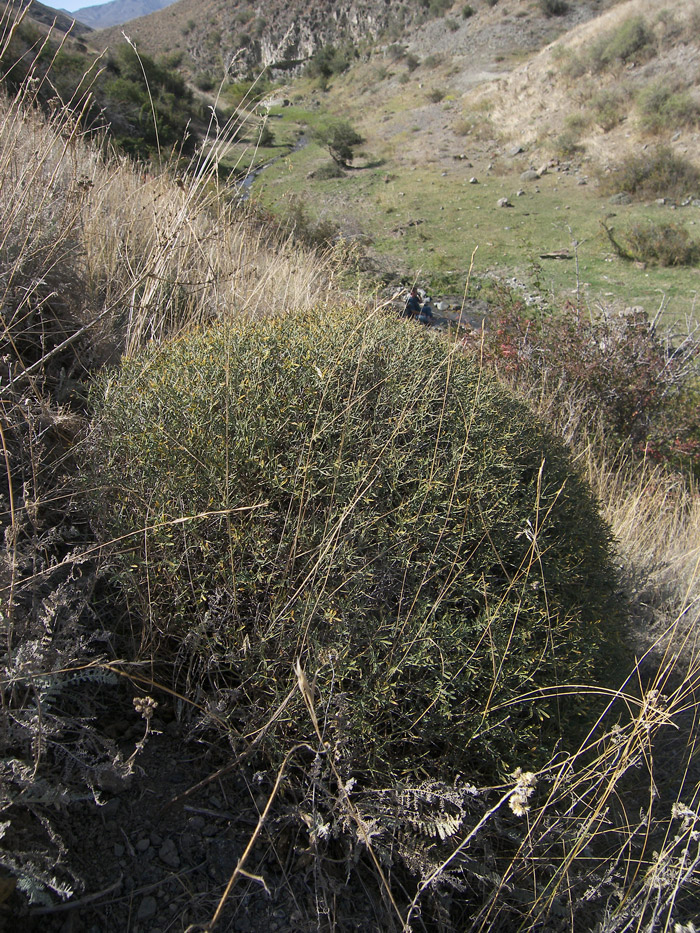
156	855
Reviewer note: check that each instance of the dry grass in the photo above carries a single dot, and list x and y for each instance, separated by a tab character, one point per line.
654	515
143	256
656	520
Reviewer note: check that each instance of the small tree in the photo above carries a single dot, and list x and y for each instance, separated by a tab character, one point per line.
341	139
267	137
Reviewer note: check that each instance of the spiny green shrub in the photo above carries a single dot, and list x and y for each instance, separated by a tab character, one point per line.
630	40
353	493
661	108
665	244
657	172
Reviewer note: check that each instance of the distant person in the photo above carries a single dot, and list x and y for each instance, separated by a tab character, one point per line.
412	308
426	312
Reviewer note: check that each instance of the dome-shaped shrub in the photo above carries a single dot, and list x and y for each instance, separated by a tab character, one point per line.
354	493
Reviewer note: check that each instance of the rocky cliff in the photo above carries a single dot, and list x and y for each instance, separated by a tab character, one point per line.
215	35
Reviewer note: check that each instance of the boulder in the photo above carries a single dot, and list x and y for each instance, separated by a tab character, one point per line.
529	175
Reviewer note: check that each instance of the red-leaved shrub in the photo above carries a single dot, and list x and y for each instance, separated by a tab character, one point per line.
618	371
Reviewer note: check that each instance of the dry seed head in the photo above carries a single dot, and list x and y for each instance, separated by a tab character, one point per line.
679	811
524	778
146	706
525	783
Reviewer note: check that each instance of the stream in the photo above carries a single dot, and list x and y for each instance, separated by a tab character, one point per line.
245	184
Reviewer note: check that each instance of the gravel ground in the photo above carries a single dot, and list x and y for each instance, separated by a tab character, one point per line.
148	863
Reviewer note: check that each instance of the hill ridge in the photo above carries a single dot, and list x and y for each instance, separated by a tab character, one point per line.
117	12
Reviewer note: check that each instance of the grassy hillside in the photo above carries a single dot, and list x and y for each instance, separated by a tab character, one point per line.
449	135
231	695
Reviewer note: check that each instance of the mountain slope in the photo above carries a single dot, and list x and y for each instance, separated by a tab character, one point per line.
532	107
118	11
214	35
597	102
46	18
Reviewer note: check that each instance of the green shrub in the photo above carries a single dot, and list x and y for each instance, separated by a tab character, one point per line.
631	40
468	11
577	122
571	65
246	92
654	173
554	7
436	7
346	490
436	94
144	104
664	244
660	108
412	62
266	137
567	143
329	60
204	81
609	108
295	220
328	171
341	139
